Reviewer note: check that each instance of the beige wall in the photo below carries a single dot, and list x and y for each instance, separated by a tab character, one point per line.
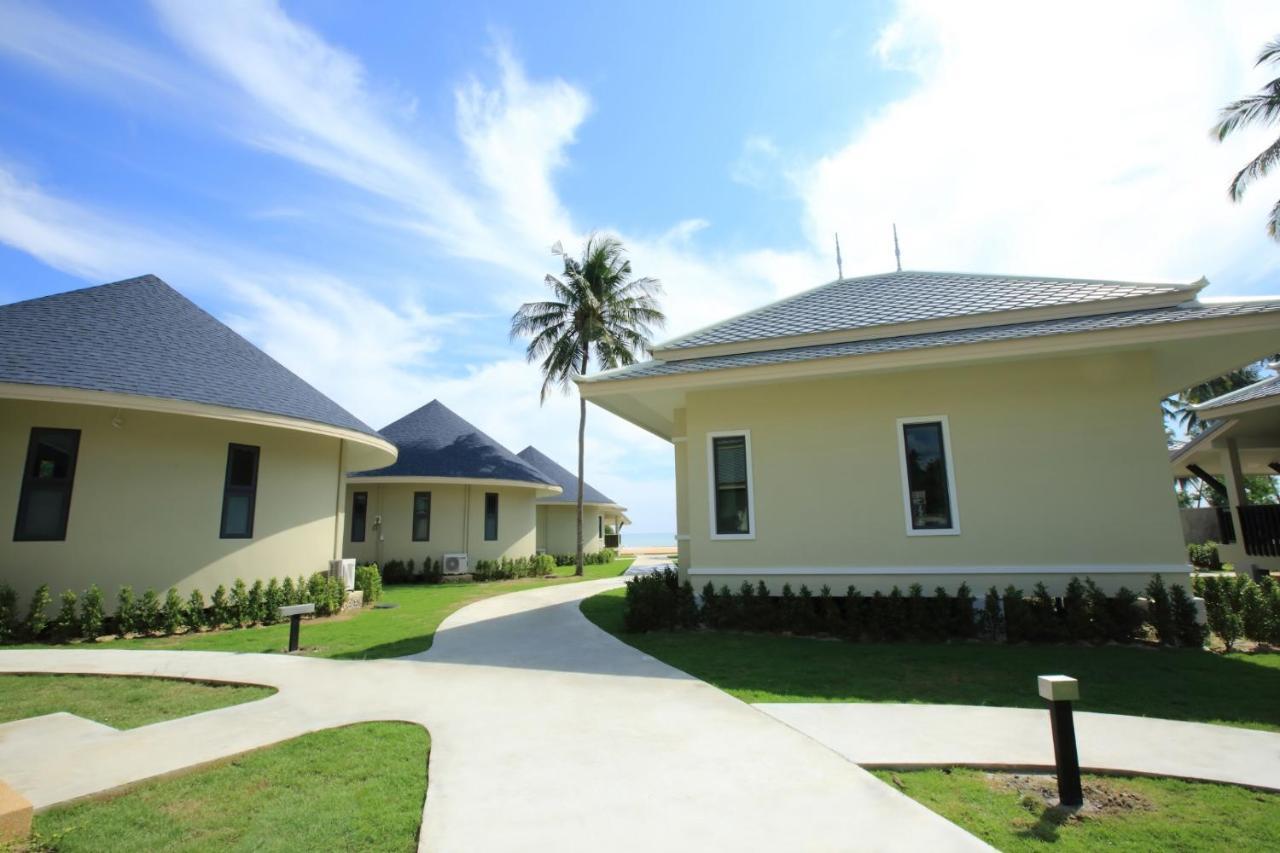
146	503
1058	463
558	528
457	522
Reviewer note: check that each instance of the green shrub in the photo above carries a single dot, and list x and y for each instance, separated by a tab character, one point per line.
301	591
938	616
172	616
1126	617
257	602
1101	628
92	615
830	621
336	592
1018	621
1046	622
37	618
1254	616
318	593
1273	610
67	625
126	612
410	573
991	622
8	613
874	616
1204	556
917	614
893	623
686	606
272	600
240	615
219	608
787	611
288	593
395	571
1075	606
1188	630
854	626
149	612
762	615
1160	612
546	565
194	612
369	583
653	602
962	621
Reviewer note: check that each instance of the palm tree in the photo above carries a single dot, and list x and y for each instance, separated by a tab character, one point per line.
597	310
1179	408
1261	109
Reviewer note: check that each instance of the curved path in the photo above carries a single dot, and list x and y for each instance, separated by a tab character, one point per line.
547	733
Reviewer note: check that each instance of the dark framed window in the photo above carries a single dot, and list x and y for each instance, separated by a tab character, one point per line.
731	485
927	478
240	491
600	526
45	502
490	516
421	516
359	514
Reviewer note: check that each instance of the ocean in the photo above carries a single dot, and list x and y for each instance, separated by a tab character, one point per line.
647	540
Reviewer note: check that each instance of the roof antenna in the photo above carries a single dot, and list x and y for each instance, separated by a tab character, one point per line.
897	253
839	262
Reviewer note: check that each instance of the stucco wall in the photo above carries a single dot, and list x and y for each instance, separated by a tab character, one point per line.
457	522
558	528
146	503
1058	463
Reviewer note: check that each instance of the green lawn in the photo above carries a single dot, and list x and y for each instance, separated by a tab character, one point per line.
1180	684
118	701
354	788
405	629
1137	814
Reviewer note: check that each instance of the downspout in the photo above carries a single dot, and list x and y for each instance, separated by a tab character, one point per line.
339	506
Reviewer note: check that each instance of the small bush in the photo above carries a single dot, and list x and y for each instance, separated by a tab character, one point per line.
1101	628
288	593
1160	612
395	571
8	613
126	612
1045	621
1126	616
545	565
194	612
991	621
301	592
37	618
1075	606
369	582
92	615
219	608
67	625
272	600
853	613
1254	616
318	593
257	602
173	613
1018	626
917	612
240	615
149	612
653	602
1188	630
963	624
1204	556
829	619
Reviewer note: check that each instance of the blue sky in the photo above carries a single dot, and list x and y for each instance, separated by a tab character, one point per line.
368	190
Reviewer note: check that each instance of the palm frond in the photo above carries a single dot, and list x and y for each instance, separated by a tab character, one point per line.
1263	109
1270	53
1257	168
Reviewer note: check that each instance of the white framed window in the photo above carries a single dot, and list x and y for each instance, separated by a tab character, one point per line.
928	476
731	490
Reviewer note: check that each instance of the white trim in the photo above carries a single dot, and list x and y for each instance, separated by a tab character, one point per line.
954	529
711	485
1080	570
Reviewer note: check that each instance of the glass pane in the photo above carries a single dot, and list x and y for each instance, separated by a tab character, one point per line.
237	518
53	454
359	509
421	528
243	468
731	460
43	514
732	507
490	516
421	503
927	476
731	510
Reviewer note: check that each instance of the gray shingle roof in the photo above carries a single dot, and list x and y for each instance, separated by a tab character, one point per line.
1269	387
435	442
907	297
565	478
1130	319
142	337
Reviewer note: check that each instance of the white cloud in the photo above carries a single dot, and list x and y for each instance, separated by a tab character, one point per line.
759	164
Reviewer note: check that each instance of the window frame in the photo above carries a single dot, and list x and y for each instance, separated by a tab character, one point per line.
487	537
752	521
252	491
364	515
413	517
27	481
599	526
948	457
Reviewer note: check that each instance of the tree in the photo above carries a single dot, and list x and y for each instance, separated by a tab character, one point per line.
1261	109
599	312
1179	408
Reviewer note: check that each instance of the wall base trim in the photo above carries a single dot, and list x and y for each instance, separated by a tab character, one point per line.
1081	570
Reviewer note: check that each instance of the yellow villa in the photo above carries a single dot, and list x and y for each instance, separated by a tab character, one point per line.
454	495
144	443
934	428
602	517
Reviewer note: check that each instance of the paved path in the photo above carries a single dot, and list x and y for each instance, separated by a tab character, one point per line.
883	735
546	734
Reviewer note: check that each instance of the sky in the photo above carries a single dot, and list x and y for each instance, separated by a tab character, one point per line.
368	190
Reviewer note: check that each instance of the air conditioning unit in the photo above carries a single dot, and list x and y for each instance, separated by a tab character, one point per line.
345	571
455	564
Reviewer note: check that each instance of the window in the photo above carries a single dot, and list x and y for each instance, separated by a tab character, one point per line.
732	503
929	489
45	501
600	526
240	492
421	516
490	516
359	513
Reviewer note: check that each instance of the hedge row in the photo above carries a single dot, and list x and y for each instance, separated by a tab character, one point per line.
1204	556
430	571
84	617
1237	607
1083	614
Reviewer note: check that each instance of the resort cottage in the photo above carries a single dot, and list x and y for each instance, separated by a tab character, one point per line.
144	443
602	517
935	428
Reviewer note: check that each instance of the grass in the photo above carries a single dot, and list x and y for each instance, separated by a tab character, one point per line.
371	633
1136	814
119	701
1178	684
354	788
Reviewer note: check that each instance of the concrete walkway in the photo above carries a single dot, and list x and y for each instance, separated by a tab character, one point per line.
546	734
883	735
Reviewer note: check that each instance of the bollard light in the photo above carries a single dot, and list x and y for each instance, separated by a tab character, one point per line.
1060	691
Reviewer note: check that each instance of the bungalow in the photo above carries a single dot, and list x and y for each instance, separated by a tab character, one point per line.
602	518
144	443
453	490
933	428
1241	438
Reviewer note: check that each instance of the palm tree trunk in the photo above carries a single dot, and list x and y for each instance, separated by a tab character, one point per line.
582	447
